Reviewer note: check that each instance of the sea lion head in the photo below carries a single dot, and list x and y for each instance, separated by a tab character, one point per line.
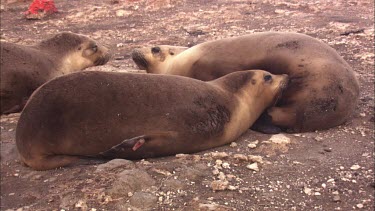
155	59
76	51
256	85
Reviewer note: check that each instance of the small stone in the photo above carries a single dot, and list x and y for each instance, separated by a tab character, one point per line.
122	13
341	168
255	158
130	194
81	204
318	138
362	114
240	157
226	165
336	198
219	155
182	156
221	176
324	185
219	185
317	194
360	206
335	193
307	191
231	187
355	167
218	162
330	180
215	172
280	139
120	45
253	166
233	144
251	146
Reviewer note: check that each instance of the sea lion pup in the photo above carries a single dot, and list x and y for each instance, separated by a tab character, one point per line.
322	93
133	116
25	68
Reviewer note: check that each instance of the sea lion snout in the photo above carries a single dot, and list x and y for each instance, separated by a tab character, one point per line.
139	59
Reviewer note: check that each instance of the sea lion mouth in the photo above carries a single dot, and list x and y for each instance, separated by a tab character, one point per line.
140	60
102	60
282	87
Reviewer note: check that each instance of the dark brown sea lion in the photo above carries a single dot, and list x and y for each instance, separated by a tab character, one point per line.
25	68
322	93
137	116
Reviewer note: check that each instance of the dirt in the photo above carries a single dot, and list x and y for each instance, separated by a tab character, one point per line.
322	170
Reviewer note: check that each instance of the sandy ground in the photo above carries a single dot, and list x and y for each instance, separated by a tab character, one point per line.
324	170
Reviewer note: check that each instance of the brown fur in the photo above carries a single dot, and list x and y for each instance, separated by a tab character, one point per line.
25	68
323	90
91	113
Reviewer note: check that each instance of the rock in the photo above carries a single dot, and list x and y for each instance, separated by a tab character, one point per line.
233	144
307	191
122	13
253	166
69	201
360	206
280	139
253	144
81	204
219	185
194	173
336	198
172	184
115	164
219	155
213	207
143	200
131	181
355	167
240	157
255	158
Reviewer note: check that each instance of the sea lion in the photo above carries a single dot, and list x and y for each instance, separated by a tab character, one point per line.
322	93
133	116
25	68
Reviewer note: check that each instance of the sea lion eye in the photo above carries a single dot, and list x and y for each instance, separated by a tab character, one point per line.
267	77
155	50
171	53
95	48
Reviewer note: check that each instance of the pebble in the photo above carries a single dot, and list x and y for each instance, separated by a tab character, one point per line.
253	166
233	144
115	164
307	191
360	206
336	198
143	200
255	158
219	185
355	167
220	155
280	139
226	165
240	157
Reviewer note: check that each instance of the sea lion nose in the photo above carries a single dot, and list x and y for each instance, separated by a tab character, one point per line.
155	49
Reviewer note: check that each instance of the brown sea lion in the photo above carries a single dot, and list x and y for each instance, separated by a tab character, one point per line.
137	116
25	68
322	93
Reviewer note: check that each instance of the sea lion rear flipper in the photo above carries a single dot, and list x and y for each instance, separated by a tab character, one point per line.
136	142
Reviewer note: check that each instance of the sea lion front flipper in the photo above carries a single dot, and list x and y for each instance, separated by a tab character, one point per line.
137	142
264	125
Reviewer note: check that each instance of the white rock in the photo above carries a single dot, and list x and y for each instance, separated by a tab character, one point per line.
219	155
280	139
253	166
251	146
225	165
355	167
233	144
360	206
307	191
